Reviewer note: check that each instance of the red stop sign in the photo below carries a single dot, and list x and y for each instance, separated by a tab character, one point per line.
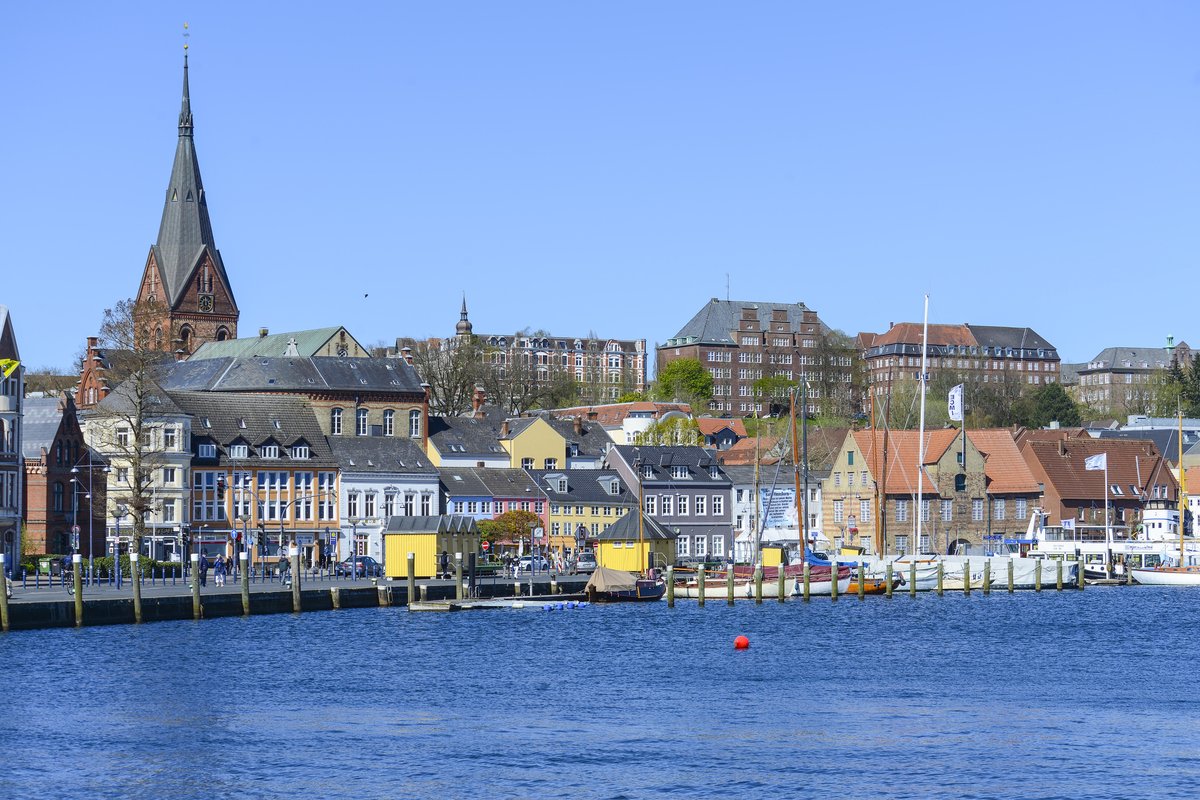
486	545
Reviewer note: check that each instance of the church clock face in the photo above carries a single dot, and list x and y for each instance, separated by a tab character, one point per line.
205	303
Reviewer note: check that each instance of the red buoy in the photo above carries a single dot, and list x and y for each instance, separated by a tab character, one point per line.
741	643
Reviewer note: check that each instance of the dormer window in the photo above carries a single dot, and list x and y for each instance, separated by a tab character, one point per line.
714	472
614	487
239	451
562	485
242	424
269	451
300	452
647	471
679	472
207	451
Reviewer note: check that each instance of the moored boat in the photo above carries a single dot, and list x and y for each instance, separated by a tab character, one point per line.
616	586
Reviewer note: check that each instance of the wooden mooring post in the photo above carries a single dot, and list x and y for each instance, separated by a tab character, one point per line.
862	580
782	583
758	579
3	596
196	608
912	579
1058	581
941	574
700	585
807	581
1010	575
1037	575
888	578
412	579
987	577
729	590
967	576
670	587
245	585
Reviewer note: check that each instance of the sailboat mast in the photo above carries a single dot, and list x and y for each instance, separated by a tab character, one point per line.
921	430
758	525
796	476
1182	487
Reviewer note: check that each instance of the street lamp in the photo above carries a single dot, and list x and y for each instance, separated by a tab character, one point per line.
119	513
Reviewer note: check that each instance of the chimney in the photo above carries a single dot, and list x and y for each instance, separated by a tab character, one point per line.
478	401
1062	447
406	354
504	429
579	426
592	416
262	333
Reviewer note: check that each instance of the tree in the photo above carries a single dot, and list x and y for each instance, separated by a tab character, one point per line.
684	380
452	370
1049	403
127	425
511	525
511	379
673	431
774	389
834	359
632	397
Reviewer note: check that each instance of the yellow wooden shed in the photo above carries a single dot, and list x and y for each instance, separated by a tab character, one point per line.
427	538
623	546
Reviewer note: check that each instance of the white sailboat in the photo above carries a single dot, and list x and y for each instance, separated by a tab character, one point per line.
1181	573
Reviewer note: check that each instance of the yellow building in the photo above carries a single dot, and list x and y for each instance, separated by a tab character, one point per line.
632	547
581	504
427	538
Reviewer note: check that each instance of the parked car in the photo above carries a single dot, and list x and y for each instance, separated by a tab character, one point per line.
360	566
585	561
537	563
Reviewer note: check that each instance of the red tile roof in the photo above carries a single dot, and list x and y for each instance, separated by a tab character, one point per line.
1135	463
1006	470
711	425
902	448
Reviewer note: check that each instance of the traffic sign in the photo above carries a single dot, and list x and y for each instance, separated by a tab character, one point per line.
75	529
486	545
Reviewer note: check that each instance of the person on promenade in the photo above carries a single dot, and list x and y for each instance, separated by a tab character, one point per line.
202	568
444	565
219	570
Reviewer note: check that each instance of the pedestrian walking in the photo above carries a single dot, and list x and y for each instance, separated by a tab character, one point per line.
203	569
219	571
444	565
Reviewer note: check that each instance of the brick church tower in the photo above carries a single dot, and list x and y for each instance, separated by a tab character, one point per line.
185	298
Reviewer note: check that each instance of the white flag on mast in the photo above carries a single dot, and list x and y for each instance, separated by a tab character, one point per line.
1098	461
955	402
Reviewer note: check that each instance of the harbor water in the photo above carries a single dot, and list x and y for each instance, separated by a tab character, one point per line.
1050	695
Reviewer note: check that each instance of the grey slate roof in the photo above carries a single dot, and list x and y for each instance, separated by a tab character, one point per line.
462	436
218	418
443	523
584	486
1016	338
485	482
43	417
593	441
662	459
272	345
303	375
626	529
121	401
1123	358
1165	439
716	321
185	231
380	454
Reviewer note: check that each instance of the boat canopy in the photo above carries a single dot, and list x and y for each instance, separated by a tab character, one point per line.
611	580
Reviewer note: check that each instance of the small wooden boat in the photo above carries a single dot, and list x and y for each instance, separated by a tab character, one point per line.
616	586
1168	576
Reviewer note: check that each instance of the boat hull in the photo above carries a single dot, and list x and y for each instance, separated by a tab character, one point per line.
1168	576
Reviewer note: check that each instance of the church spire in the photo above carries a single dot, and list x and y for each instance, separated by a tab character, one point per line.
463	328
185	110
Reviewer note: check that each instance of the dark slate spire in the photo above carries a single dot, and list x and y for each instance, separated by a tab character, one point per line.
463	328
185	230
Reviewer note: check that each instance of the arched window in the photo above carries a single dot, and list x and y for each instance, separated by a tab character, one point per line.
58	496
414	424
158	338
389	423
335	422
360	420
185	339
222	334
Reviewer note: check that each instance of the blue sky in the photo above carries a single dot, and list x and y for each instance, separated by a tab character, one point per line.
603	167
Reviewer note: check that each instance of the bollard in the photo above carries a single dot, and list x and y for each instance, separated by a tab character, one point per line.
412	579
1058	578
782	583
807	580
700	585
758	579
1010	575
912	579
670	587
729	584
941	574
77	577
967	576
862	580
1128	575
294	552
3	596
135	577
888	579
195	585
458	584
423	592
987	577
1037	575
516	588
245	585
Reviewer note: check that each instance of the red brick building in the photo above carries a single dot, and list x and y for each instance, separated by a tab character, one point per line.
63	481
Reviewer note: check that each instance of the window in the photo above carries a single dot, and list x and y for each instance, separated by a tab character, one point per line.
352	504
170	439
925	510
239	451
58	496
389	423
925	543
269	451
526	463
414	424
902	544
122	437
681	546
837	479
300	452
718	505
562	485
389	504
360	422
976	510
122	474
335	421
425	503
369	504
409	504
901	511
999	508
701	503
274	494
681	505
947	510
699	542
718	545
326	495
207	451
652	505
668	505
168	511
1022	513
168	476
839	511
551	463
850	458
679	472
864	511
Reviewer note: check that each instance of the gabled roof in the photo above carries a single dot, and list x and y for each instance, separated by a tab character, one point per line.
299	375
307	345
1126	358
121	400
592	439
611	415
1005	469
743	451
8	339
371	454
711	425
442	523
661	460
910	333
626	529
903	448
584	486
43	416
463	437
485	482
1166	441
1130	463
